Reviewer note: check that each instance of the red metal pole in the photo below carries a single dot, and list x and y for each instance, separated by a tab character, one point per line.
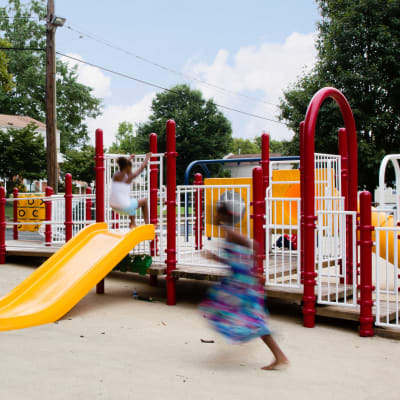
309	189
171	211
265	160
258	222
265	169
15	208
99	158
48	233
366	287
68	207
153	191
88	211
343	152
198	209
2	225
302	226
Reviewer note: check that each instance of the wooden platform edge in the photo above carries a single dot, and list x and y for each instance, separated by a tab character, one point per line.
387	332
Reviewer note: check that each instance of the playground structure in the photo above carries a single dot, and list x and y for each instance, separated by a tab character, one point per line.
314	233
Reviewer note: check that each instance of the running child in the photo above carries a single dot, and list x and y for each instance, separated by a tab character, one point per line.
235	307
120	187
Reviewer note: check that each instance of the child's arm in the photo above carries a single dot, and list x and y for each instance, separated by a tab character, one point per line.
135	174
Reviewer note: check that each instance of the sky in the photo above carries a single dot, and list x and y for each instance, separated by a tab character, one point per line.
255	48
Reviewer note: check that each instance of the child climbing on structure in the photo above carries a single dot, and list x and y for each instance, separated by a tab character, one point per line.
235	308
121	182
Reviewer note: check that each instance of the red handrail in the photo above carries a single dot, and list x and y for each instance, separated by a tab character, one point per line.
48	234
2	225
198	209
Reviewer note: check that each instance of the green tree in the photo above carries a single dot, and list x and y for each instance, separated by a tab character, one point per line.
80	164
125	140
244	146
358	49
275	146
6	82
202	131
19	25
22	155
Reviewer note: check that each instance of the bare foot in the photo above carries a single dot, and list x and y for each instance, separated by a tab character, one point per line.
277	365
132	226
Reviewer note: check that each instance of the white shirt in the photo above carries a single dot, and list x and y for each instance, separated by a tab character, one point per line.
119	197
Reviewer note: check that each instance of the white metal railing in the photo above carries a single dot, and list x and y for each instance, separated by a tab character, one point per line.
387	276
140	188
283	238
334	284
198	203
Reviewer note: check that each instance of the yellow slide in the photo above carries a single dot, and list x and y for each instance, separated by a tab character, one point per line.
67	276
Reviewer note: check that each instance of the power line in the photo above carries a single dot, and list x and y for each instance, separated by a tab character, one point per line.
123	75
165	68
147	83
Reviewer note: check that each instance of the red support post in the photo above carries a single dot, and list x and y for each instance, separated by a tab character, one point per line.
258	222
47	233
171	211
2	225
153	192
308	179
265	169
366	287
15	209
68	207
198	209
88	210
343	152
100	213
302	226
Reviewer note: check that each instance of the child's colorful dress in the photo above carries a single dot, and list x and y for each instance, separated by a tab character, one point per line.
235	307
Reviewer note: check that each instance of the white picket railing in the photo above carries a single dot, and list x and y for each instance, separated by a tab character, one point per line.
387	277
191	242
335	286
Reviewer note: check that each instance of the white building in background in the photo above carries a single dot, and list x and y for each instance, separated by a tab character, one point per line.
244	169
20	122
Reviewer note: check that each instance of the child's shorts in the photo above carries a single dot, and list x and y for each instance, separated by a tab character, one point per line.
130	210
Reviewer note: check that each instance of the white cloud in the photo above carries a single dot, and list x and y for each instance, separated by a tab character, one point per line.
114	114
90	76
259	71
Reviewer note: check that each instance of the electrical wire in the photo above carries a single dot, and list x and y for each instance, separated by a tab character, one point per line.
147	83
105	42
121	74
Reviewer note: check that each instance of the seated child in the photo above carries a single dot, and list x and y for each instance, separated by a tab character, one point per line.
121	181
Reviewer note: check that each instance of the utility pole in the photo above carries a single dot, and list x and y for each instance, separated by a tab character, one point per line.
51	121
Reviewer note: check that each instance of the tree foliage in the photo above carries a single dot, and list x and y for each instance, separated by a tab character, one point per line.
80	164
244	146
22	155
6	82
358	51
23	26
125	140
202	131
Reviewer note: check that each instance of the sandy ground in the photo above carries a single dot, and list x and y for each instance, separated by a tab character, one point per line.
114	347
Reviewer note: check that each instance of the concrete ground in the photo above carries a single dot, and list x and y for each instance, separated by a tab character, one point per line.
115	347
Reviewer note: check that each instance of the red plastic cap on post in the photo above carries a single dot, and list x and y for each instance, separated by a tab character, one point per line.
2	225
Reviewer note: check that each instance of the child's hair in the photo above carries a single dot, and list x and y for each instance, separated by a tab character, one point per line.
123	162
226	213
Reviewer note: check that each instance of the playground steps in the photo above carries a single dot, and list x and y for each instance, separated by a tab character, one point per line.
295	294
353	313
29	249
